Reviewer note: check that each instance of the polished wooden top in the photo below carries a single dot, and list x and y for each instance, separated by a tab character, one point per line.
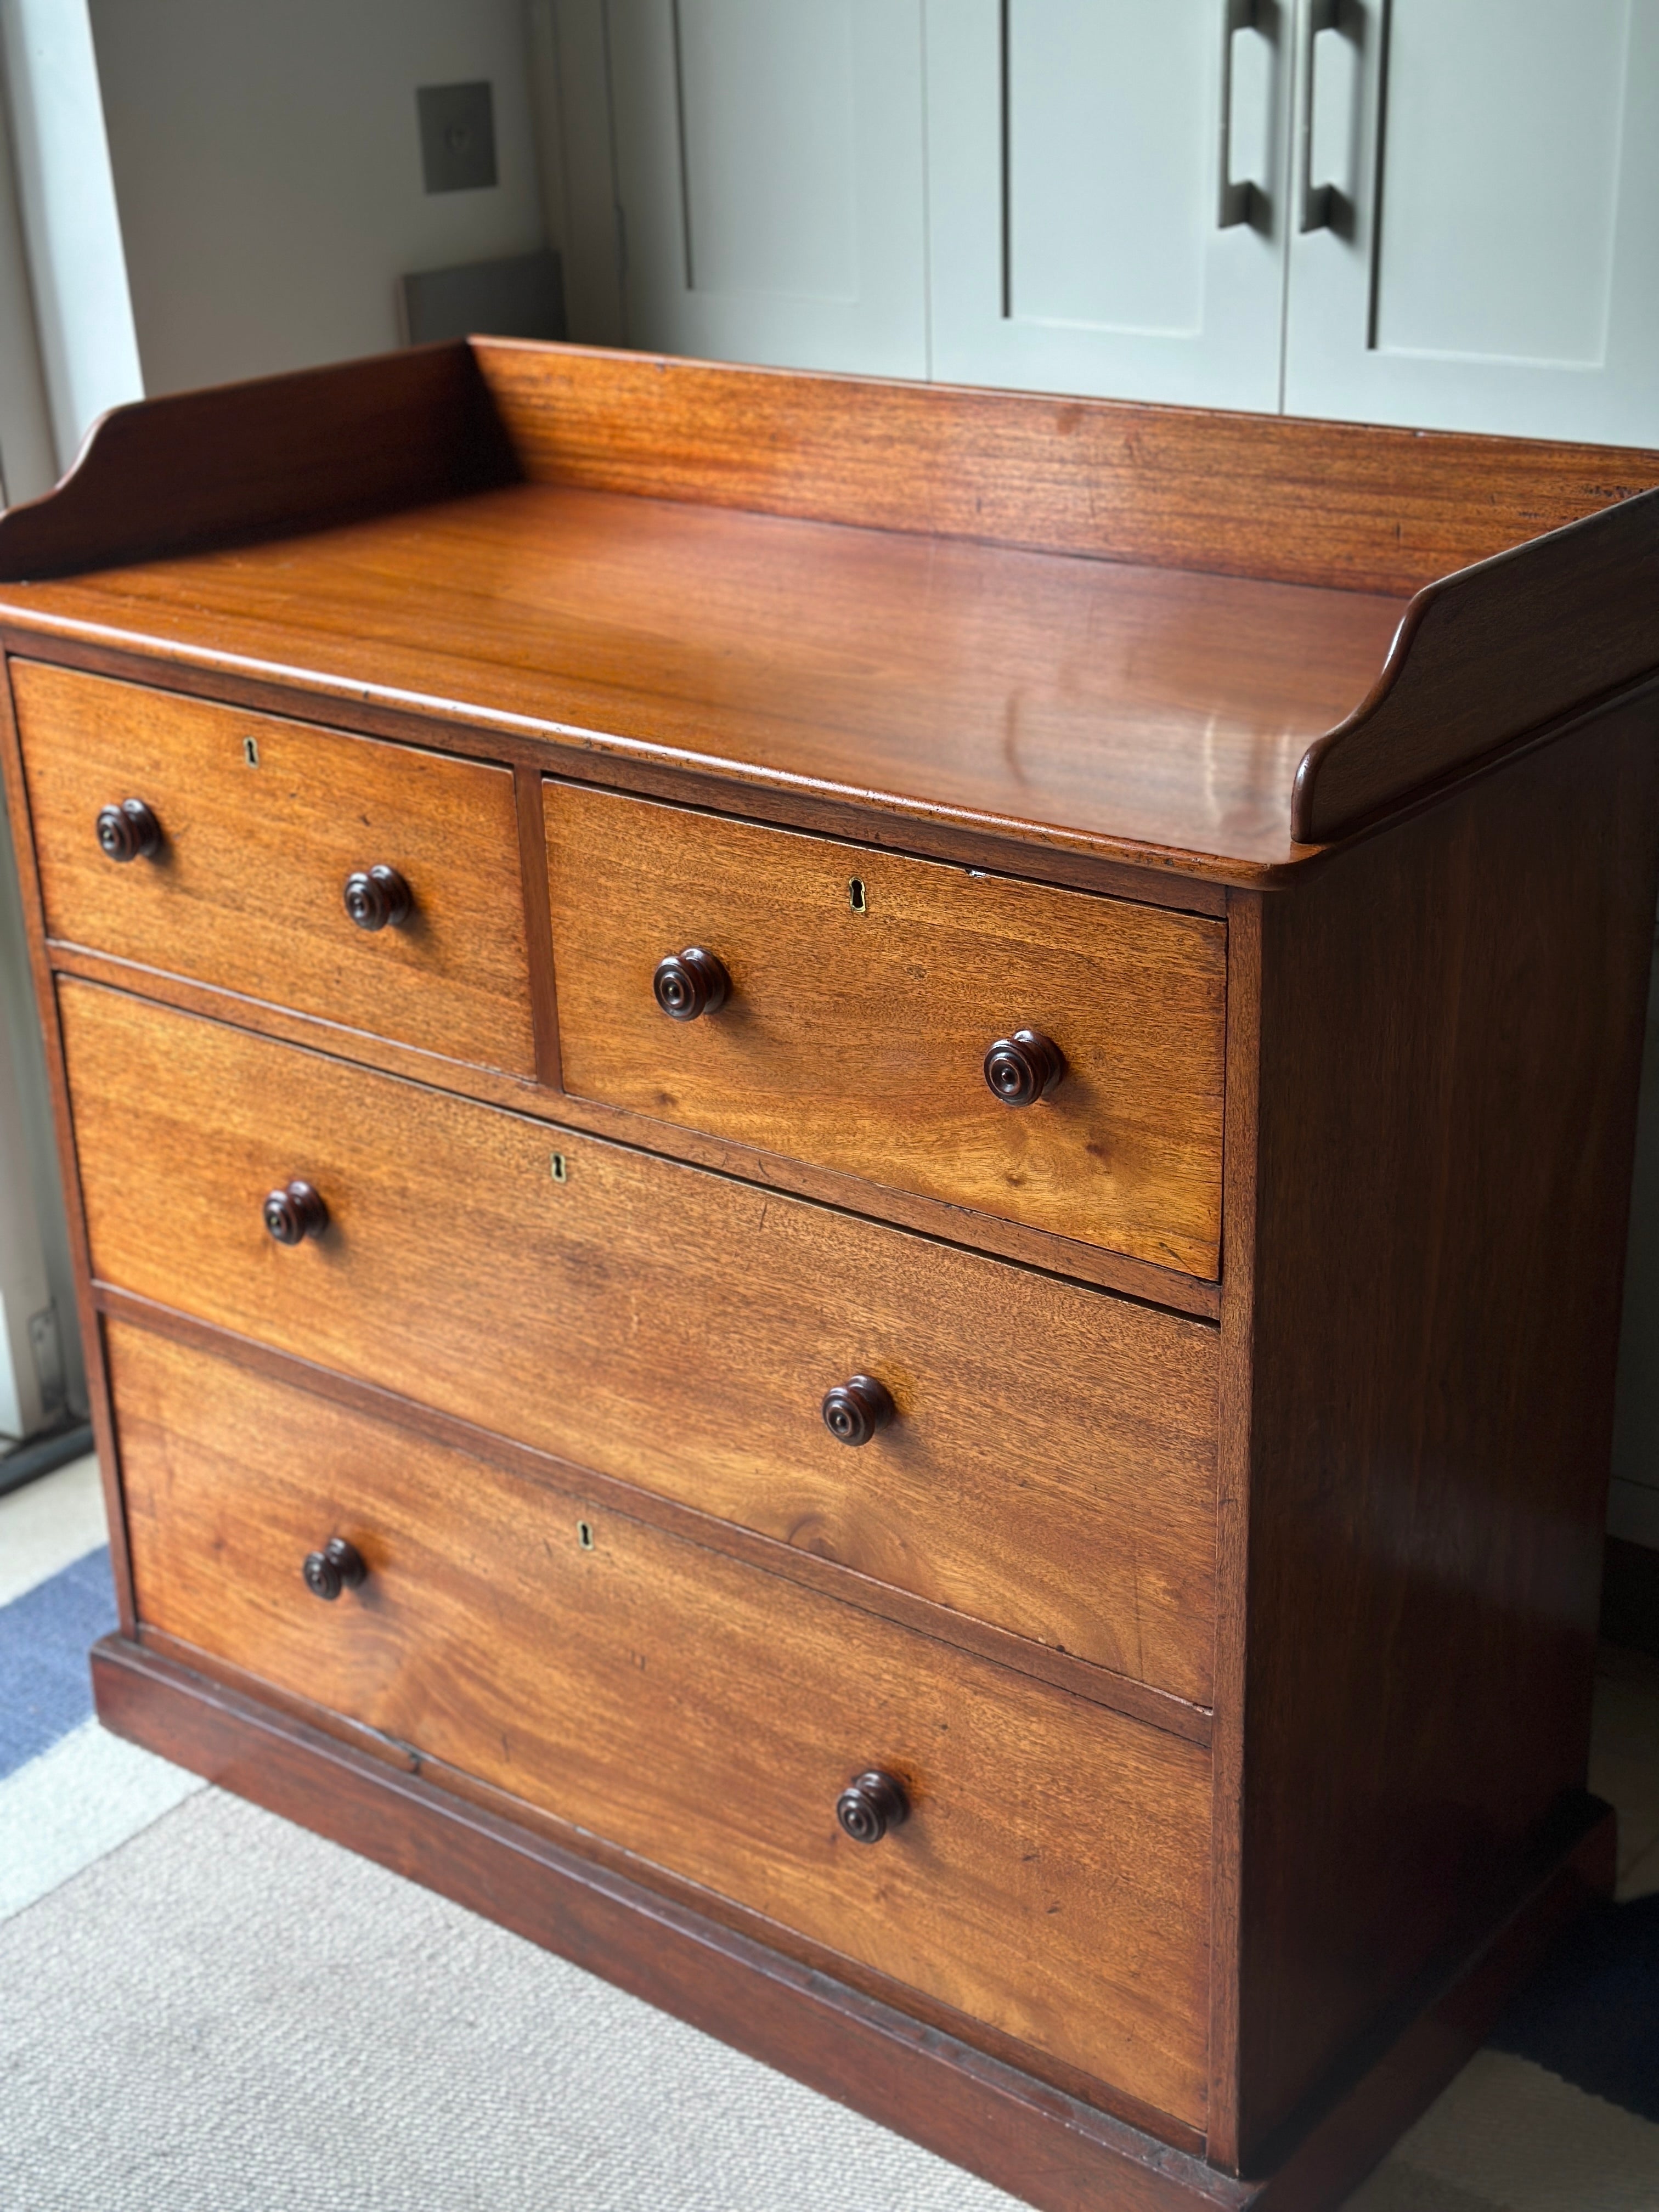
1121	704
1155	635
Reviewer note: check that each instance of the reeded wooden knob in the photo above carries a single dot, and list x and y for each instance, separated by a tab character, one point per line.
1025	1067
338	1566
128	831
689	983
378	898
855	1409
295	1212
870	1805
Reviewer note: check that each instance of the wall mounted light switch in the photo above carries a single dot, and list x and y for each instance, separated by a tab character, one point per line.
457	136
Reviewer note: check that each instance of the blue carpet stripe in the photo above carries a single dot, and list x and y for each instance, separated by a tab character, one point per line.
45	1689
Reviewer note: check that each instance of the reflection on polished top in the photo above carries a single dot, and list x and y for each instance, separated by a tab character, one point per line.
1212	644
1145	705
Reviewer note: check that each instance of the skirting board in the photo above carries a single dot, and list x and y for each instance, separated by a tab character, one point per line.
1059	2154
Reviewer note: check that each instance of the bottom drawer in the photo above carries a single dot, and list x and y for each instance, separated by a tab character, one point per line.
1051	1878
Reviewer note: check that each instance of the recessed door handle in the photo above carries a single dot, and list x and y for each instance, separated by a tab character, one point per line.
1324	207
1246	201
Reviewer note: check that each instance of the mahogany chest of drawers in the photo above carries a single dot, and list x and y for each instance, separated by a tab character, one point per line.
850	1165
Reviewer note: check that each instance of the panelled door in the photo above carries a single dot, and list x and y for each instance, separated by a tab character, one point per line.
1476	242
1437	212
1106	196
769	157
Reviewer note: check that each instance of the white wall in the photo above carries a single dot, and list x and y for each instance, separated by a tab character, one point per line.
78	279
28	463
267	166
35	1261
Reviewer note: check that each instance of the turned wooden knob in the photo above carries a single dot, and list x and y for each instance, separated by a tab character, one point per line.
128	831
295	1212
855	1409
378	898
689	983
870	1805
338	1566
1025	1067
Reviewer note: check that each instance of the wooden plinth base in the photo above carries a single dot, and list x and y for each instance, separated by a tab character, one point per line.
1059	2154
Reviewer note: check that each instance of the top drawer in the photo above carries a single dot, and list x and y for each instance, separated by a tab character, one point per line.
865	990
262	821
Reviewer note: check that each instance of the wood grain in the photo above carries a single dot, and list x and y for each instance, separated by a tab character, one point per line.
1343	504
1123	615
1048	2147
1008	1240
1052	1469
1135	711
857	1038
984	2113
1138	1700
1451	1024
263	459
715	1914
1051	1878
246	891
1483	657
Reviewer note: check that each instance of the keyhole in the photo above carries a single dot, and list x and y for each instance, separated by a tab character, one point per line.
585	1534
559	1173
250	751
855	894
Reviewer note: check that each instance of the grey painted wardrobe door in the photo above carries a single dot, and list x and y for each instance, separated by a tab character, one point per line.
769	171
1075	172
1496	262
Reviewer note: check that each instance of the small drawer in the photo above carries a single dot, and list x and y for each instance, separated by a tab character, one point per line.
1050	1463
863	992
1049	1876
258	825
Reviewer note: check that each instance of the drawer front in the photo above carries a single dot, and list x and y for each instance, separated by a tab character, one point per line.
857	1038
1051	1465
261	821
1051	1877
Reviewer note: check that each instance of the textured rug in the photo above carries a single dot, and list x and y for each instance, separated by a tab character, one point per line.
202	2009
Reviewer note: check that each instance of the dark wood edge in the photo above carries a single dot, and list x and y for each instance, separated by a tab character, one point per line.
46	1001
1137	1701
1237	1363
1563	602
1091	1266
1397	2072
1630	1596
1121	867
193	470
706	1905
967	2106
538	924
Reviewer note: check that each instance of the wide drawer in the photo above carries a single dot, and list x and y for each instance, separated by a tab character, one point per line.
1051	1877
1051	1465
262	823
865	991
